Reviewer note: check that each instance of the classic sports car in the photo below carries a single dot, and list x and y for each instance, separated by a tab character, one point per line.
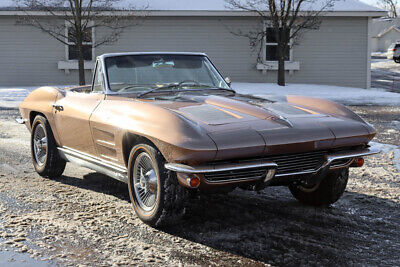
169	125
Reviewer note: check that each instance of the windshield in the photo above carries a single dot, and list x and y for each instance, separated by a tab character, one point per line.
141	73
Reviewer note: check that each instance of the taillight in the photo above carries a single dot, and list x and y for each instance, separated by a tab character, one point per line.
394	50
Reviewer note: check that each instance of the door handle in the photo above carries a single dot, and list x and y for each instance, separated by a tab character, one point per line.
58	107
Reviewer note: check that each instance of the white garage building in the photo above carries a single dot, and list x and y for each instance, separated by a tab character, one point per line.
338	53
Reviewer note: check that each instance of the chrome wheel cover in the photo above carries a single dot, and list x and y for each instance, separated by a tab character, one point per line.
145	182
40	145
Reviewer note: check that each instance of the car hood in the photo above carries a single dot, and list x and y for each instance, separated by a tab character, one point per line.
244	125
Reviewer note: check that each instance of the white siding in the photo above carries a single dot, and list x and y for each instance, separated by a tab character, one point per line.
336	54
29	57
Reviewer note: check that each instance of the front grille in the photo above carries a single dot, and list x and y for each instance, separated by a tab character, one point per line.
237	175
300	162
287	164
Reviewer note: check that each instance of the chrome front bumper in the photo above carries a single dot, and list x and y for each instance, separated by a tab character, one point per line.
219	168
271	167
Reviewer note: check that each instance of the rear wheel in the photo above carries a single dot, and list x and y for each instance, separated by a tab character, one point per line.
156	195
397	60
46	159
327	192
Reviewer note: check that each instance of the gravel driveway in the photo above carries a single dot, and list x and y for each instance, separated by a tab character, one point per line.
86	218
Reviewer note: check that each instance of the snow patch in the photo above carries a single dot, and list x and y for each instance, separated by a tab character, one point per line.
12	97
396	124
379	64
343	95
379	54
386	149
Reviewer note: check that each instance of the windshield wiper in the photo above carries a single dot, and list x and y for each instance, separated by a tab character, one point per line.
184	90
156	89
126	88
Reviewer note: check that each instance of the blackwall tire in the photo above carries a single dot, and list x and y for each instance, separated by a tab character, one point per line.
167	203
326	193
46	160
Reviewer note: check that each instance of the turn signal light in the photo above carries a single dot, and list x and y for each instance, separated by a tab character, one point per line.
359	162
193	182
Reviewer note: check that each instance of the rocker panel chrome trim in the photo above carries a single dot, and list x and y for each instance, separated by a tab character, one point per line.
94	163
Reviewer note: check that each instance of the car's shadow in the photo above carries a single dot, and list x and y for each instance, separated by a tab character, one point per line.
273	228
98	183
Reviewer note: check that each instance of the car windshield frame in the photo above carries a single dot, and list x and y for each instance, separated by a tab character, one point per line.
209	65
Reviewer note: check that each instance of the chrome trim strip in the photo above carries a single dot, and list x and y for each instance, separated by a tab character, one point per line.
353	154
296	173
85	155
230	181
82	159
105	143
341	166
267	173
219	168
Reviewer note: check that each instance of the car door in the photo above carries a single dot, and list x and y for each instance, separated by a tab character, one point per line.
72	112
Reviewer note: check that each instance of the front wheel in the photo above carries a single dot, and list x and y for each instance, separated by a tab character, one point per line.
156	195
327	192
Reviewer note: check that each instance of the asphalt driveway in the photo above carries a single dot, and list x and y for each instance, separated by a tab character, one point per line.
385	74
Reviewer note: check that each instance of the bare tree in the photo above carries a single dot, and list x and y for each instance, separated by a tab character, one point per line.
73	22
288	19
389	5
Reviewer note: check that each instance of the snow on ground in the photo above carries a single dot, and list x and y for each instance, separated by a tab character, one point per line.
385	64
12	97
379	54
344	95
386	149
396	124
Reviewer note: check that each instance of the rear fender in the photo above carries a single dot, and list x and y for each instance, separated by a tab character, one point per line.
40	101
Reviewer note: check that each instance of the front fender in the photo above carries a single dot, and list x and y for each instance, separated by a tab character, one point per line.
328	107
177	138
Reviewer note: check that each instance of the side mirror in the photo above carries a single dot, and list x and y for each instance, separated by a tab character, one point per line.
228	81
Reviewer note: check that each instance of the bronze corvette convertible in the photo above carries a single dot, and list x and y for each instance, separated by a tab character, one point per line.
169	125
